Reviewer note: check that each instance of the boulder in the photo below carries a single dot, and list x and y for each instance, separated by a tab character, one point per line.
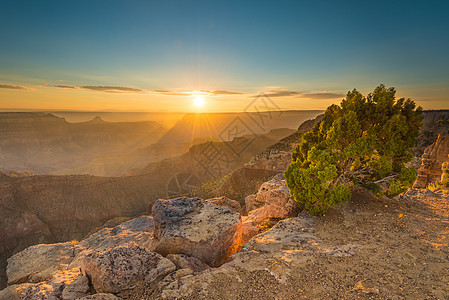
226	202
276	199
38	263
114	270
197	228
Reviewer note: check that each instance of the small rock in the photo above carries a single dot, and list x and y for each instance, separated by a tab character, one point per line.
367	286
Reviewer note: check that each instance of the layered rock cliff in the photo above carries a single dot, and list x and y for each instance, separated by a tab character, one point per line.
432	160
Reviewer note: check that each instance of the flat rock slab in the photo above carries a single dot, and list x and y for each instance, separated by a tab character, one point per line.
38	263
197	228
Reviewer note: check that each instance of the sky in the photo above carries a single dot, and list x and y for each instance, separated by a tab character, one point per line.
170	55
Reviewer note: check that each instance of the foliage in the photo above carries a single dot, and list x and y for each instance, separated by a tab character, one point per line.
443	184
363	141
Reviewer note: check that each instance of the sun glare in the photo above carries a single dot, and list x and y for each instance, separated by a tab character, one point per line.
198	101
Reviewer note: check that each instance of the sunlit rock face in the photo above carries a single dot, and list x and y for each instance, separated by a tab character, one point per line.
275	200
272	201
432	160
197	228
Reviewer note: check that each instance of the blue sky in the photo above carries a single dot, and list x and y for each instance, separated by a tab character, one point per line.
246	47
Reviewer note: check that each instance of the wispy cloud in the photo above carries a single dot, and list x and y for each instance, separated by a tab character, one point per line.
14	87
279	93
107	89
198	92
220	92
322	95
113	89
66	87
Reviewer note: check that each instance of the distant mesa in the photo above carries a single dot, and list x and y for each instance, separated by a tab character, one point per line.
96	120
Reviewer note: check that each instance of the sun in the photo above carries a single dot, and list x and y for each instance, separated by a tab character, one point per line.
198	101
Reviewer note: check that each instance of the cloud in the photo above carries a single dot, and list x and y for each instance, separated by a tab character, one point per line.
322	95
66	87
325	94
14	87
101	88
220	92
113	89
198	92
280	93
170	93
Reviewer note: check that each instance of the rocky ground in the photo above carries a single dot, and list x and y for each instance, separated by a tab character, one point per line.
366	248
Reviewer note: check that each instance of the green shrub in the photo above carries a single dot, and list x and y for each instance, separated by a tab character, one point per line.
363	141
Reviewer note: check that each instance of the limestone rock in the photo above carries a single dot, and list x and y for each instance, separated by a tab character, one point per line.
276	199
251	203
114	270
226	202
38	263
136	231
432	159
197	228
187	262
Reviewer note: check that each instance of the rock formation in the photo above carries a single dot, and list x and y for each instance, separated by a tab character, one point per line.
272	202
193	232
432	160
197	228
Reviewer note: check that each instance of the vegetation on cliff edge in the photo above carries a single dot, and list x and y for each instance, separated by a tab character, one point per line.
366	141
